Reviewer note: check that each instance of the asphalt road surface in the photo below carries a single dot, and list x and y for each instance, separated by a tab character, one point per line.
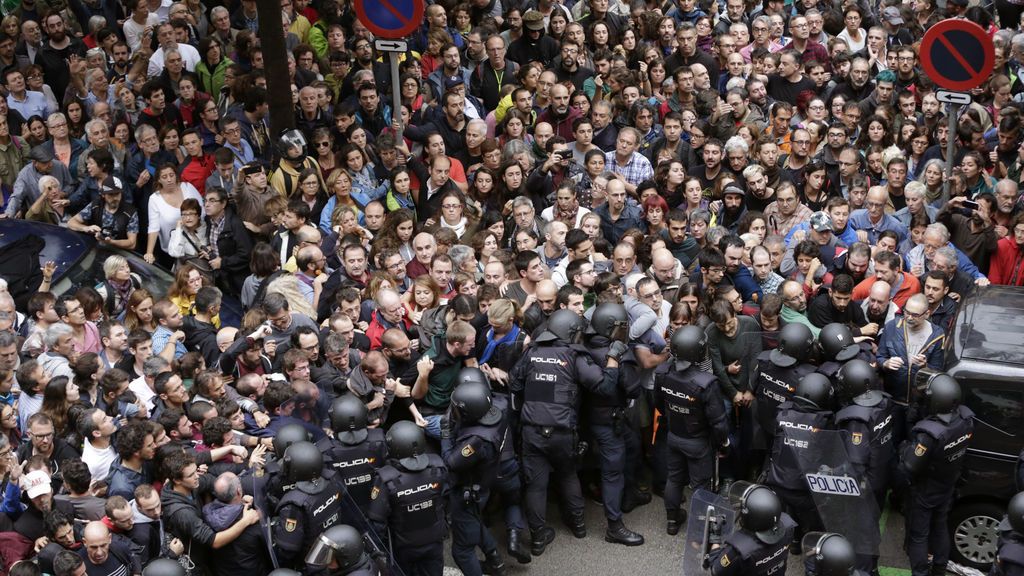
660	555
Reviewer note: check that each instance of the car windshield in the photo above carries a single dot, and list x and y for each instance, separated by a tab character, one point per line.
992	327
89	271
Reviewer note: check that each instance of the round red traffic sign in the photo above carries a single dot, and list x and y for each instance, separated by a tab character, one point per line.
391	19
957	54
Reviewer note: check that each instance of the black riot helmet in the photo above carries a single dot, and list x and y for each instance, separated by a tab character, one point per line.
471	374
302	462
349	419
836	342
943	394
163	567
760	512
854	378
473	402
815	388
280	572
408	444
289	434
291	145
563	325
610	320
689	344
833	554
795	342
340	544
1014	514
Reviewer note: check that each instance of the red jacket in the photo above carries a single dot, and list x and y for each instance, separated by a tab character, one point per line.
1007	266
195	171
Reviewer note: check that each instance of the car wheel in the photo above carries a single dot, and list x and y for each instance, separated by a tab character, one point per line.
974	531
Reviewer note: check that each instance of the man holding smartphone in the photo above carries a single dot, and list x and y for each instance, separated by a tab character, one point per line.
555	169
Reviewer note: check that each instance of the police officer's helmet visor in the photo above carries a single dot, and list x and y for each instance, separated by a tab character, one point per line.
833	555
321	554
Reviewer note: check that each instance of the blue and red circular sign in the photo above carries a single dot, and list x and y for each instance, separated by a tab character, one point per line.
391	19
957	54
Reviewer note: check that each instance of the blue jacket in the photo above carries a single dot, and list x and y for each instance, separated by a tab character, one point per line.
893	344
746	285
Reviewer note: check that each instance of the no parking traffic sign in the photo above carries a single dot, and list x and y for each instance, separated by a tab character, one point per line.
957	54
390	19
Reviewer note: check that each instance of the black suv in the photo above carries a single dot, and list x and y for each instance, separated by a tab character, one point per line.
985	353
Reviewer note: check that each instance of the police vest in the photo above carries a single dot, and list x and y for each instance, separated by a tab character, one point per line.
355	465
551	391
794	442
417	502
880	421
758	558
508	451
320	510
486	471
600	409
775	385
685	394
951	443
1010	555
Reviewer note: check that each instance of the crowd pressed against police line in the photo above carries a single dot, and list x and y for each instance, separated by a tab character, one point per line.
692	254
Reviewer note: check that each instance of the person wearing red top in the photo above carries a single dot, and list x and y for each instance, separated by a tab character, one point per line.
887	268
198	166
1007	267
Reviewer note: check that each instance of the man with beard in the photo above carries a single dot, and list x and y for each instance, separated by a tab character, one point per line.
887	268
559	114
836	140
451	65
711	169
807	49
616	215
669	273
605	132
741	114
688	53
451	124
759	195
476	52
833	305
733	207
795	163
878	307
858	86
941	307
682	247
736	273
882	95
533	45
794	305
58	53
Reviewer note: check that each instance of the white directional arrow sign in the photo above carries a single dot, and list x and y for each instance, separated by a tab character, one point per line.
391	45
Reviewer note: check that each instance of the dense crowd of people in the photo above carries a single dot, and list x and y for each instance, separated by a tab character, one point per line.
383	322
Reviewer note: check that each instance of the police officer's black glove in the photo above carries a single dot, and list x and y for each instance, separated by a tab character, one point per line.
616	350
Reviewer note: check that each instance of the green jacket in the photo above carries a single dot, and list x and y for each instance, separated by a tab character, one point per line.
212	81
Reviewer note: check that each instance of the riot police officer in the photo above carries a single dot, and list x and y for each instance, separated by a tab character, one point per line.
836	346
798	422
697	423
1010	553
607	419
761	544
340	551
274	484
828	554
932	460
408	496
545	388
312	506
778	372
355	452
867	417
478	428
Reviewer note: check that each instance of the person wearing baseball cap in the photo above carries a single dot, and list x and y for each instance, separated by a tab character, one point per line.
109	218
533	44
27	183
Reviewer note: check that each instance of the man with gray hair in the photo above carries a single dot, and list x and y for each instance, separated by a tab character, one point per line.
390	313
248	553
60	350
98	135
463	259
631	167
144	386
920	259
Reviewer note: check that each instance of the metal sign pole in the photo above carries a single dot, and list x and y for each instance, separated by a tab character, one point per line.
952	113
396	91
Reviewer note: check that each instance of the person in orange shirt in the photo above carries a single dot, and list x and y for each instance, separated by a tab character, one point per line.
887	268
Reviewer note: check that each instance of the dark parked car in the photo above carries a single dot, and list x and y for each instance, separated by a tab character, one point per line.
986	355
79	258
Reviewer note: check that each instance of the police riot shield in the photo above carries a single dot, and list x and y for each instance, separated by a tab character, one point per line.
844	500
711	518
375	546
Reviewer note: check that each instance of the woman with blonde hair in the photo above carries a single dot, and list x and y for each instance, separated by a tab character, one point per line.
118	285
339	187
502	344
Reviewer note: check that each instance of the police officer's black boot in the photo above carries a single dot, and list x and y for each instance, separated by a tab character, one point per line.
517	547
578	526
493	564
938	571
676	518
541	540
617	533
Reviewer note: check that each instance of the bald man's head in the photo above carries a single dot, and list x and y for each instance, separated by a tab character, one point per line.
96	539
663	265
546	293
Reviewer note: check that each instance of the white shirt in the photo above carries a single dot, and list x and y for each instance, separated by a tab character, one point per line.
133	31
189	55
163	217
143	392
99	461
